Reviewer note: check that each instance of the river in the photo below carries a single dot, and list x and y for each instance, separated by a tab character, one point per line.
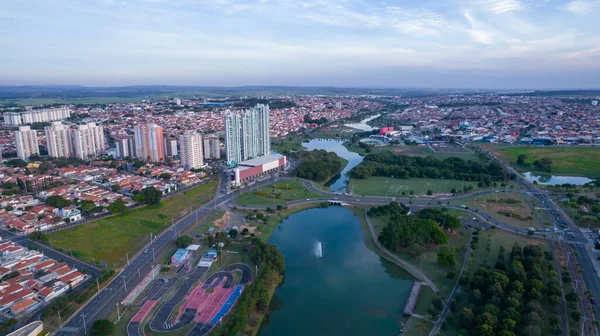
362	125
349	291
331	145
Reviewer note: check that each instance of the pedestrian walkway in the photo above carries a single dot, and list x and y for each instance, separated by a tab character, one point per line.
413	270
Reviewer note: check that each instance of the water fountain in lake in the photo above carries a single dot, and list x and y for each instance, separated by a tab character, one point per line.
319	249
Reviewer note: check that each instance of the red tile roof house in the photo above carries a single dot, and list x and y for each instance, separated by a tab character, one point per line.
8	300
72	279
24	306
21	227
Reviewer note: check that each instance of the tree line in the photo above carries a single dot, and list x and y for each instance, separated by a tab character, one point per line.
403	231
406	167
256	297
317	165
512	297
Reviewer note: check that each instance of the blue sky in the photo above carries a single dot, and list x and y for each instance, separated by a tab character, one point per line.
393	43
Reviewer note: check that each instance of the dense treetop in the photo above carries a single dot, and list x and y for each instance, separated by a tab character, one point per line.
405	167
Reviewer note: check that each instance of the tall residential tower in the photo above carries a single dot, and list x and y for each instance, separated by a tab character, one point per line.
88	140
27	143
247	134
58	140
149	142
190	144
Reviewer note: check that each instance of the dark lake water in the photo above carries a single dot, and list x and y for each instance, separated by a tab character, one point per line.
349	291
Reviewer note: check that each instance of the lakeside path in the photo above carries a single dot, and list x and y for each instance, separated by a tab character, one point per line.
410	268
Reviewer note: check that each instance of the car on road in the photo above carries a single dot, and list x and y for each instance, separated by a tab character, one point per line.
592	301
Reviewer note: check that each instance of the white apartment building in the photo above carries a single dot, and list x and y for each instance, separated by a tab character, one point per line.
247	134
36	116
88	140
191	150
211	147
27	143
58	139
149	142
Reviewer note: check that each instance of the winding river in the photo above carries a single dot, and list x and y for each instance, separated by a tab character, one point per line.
336	146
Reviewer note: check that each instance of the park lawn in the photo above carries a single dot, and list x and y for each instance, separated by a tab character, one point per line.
427	261
380	185
267	196
487	204
426	296
292	144
565	160
418	327
494	239
109	239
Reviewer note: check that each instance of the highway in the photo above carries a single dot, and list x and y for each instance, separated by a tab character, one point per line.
105	301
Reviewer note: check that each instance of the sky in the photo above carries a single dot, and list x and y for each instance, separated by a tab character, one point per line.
497	44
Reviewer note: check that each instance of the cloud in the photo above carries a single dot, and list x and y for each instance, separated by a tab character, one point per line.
499	6
581	7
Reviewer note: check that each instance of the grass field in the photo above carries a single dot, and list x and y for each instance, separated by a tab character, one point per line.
565	160
379	185
267	196
109	239
291	144
495	239
487	252
487	203
427	261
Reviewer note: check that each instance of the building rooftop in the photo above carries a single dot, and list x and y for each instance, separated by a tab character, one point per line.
261	160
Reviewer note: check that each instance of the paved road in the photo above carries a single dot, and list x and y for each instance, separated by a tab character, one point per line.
104	303
557	217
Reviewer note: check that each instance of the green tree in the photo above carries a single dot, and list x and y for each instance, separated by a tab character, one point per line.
117	206
521	159
115	187
151	195
57	201
183	241
102	328
87	206
233	233
446	256
165	176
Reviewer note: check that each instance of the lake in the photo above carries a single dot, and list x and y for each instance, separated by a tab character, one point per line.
554	179
349	291
340	183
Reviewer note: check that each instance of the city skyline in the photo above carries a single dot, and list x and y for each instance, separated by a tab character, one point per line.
460	44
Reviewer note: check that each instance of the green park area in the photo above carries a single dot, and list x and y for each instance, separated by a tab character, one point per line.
565	160
393	187
507	207
502	261
276	194
287	145
425	258
109	239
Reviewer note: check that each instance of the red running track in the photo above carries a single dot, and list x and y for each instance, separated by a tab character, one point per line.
215	304
141	314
